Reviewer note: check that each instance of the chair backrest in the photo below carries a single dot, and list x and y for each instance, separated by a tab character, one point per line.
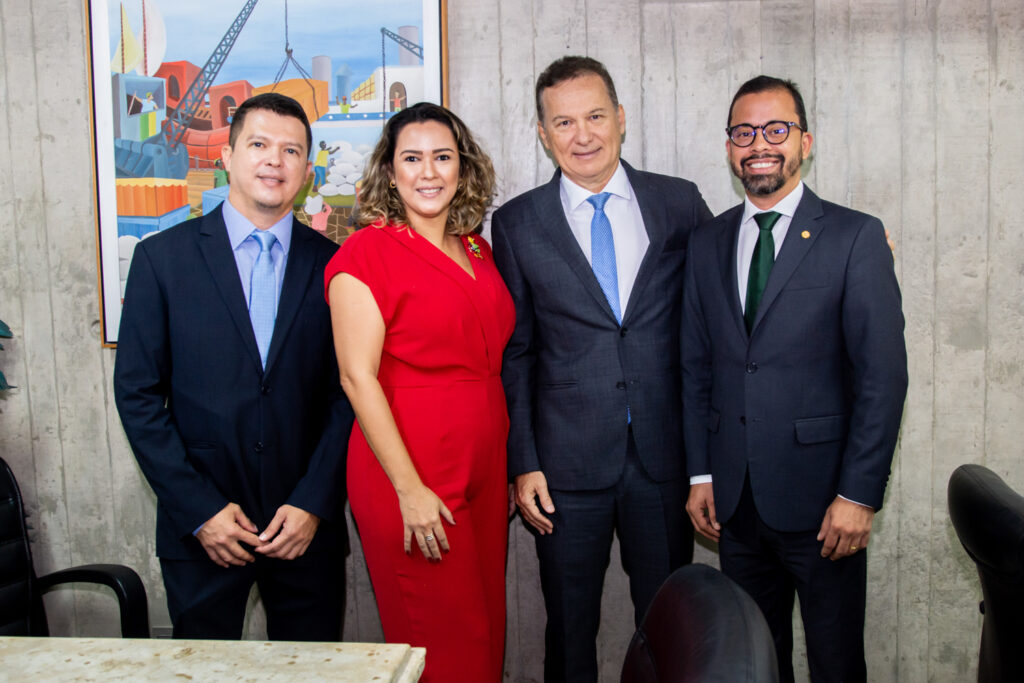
701	626
989	520
21	612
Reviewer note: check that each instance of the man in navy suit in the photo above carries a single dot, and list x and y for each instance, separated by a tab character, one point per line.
228	390
594	262
795	372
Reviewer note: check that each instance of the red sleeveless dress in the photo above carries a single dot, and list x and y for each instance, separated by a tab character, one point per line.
441	373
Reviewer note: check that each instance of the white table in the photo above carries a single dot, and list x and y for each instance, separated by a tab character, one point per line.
115	659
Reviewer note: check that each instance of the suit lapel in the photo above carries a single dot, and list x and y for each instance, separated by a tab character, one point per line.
297	272
794	248
656	229
216	250
548	204
725	243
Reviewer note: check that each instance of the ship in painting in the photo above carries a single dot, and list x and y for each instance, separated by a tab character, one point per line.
171	119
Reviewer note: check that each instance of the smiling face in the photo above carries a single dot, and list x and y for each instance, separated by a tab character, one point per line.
268	166
425	169
768	172
583	130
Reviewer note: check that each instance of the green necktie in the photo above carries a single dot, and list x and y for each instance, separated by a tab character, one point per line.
760	264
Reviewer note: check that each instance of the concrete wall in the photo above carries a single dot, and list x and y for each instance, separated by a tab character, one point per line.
915	107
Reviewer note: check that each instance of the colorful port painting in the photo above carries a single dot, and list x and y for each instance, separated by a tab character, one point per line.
167	76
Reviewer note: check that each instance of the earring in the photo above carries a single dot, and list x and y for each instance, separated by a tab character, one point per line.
392	184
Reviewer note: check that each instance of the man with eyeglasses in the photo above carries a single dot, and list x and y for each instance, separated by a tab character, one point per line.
794	376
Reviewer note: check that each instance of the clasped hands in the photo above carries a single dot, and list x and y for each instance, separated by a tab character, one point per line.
845	529
285	538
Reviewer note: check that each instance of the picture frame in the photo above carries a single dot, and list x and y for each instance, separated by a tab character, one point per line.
166	76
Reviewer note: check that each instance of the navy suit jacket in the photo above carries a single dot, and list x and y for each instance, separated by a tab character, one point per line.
570	370
207	424
810	401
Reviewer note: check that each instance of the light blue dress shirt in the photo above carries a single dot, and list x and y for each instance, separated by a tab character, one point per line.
246	249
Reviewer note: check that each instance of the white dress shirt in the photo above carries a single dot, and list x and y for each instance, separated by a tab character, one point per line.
628	232
749	233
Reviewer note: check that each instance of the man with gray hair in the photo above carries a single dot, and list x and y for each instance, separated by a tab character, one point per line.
594	262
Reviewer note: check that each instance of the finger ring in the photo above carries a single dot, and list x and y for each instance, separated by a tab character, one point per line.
429	537
853	548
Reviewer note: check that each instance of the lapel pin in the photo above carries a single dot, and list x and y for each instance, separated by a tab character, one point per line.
474	247
805	234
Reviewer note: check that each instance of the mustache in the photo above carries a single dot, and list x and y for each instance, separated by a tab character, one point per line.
764	155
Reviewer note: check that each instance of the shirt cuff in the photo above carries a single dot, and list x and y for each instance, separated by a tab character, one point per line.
700	479
855	502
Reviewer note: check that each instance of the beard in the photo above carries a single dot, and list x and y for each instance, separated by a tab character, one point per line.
761	185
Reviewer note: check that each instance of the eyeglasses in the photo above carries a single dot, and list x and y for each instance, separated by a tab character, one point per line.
773	132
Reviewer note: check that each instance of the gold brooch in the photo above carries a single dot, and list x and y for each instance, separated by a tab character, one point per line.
805	234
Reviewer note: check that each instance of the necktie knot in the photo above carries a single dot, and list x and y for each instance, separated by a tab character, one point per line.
599	200
767	219
265	238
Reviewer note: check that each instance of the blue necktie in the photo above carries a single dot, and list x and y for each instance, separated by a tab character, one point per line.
602	252
263	293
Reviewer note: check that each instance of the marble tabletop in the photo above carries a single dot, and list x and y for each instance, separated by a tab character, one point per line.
116	659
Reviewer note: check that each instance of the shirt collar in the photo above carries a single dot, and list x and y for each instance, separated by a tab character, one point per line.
786	206
617	185
239	227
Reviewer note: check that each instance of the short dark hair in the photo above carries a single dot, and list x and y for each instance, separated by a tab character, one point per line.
568	68
764	83
379	202
282	105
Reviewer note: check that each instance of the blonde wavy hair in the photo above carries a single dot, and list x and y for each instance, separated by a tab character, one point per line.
379	202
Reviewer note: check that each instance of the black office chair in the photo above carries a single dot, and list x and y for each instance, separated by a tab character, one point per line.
21	602
989	520
703	627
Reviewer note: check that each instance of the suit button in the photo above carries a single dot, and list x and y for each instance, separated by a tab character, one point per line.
620	385
258	447
623	331
743	419
751	368
264	389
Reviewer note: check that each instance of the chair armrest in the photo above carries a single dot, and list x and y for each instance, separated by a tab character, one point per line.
126	584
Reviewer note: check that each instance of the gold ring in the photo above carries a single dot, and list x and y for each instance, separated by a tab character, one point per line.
853	548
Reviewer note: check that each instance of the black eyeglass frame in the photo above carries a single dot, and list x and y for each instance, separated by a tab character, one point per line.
789	126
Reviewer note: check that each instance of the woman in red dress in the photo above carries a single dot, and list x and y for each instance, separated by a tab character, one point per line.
421	317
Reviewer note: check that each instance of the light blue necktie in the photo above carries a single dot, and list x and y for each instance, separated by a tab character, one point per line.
263	293
602	252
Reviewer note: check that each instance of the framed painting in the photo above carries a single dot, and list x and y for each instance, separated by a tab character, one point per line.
167	76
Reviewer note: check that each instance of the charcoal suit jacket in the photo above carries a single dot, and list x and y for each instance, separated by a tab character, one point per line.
206	422
571	370
810	401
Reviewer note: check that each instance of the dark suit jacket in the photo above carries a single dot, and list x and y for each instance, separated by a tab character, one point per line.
570	370
207	424
811	401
